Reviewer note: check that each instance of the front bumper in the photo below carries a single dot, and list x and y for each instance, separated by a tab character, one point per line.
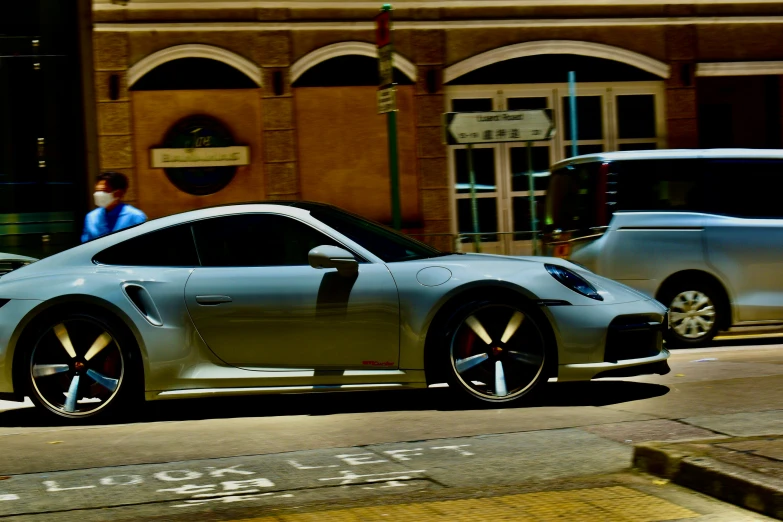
625	339
624	368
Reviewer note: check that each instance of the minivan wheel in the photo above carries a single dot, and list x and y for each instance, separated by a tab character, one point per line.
693	314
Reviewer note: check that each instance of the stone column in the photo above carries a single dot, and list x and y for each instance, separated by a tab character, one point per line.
115	130
279	138
681	104
429	56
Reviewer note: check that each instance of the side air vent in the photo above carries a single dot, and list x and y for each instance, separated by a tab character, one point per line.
143	302
9	266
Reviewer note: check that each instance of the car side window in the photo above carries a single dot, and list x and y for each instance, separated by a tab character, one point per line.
171	246
256	240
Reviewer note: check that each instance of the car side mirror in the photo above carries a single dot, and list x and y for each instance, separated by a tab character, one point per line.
328	256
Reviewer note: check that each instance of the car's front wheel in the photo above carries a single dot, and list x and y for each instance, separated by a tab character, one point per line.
78	365
496	351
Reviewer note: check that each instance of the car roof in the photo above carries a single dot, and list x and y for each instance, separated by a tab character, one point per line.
662	154
297	208
305	205
214	210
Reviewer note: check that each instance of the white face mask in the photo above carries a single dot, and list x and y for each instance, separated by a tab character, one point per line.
103	199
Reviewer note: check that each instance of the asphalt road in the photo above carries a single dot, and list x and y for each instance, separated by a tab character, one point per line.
239	457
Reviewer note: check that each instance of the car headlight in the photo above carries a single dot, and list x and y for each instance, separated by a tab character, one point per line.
573	281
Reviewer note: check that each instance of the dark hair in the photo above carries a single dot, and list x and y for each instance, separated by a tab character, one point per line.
115	180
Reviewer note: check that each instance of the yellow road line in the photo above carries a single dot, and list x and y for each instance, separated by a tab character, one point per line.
608	504
746	336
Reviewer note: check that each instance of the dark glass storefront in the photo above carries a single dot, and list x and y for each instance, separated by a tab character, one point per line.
43	165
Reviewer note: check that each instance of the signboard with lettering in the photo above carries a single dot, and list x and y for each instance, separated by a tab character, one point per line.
199	155
387	100
385	66
462	128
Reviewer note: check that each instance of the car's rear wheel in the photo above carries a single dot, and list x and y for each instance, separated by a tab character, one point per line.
496	351
79	366
694	313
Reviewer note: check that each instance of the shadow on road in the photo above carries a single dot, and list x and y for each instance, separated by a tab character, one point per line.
596	393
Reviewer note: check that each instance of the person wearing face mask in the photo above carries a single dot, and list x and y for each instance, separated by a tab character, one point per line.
112	213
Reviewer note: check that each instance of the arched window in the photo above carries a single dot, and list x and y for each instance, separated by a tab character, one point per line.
193	73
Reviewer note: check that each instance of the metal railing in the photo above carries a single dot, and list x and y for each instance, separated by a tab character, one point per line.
516	243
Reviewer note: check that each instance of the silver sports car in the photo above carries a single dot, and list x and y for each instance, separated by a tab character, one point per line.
302	297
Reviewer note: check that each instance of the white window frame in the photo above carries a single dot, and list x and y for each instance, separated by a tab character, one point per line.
554	92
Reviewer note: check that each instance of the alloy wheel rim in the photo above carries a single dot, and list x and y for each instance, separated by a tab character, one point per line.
692	314
498	353
77	367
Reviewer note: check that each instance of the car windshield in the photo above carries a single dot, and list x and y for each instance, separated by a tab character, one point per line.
387	244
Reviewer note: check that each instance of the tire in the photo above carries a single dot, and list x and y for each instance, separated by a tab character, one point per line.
80	365
695	313
495	351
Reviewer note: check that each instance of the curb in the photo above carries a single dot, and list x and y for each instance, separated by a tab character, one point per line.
729	483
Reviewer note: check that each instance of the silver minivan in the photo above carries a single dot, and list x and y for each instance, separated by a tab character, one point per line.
699	230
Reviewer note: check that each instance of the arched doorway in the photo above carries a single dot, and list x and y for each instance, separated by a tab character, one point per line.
196	129
620	106
342	140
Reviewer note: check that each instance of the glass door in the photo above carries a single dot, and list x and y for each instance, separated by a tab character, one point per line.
488	181
520	241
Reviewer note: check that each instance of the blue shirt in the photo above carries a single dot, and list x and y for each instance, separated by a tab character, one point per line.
99	222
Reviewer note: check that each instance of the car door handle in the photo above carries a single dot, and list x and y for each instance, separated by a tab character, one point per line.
212	299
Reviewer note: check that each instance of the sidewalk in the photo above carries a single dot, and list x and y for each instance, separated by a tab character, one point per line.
745	471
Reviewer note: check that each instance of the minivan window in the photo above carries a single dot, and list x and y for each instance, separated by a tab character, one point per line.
658	185
745	188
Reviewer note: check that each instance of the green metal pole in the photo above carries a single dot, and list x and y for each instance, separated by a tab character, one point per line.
473	202
394	169
394	173
531	187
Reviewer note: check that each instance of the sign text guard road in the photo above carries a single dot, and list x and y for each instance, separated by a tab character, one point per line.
462	128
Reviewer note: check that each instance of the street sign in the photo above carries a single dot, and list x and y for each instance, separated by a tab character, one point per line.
387	100
462	128
383	40
383	28
385	67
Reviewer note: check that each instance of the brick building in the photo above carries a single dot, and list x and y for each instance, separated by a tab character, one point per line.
293	84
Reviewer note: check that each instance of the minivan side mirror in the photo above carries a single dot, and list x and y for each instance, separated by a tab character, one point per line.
328	256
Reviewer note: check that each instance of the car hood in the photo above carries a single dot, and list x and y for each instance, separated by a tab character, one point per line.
529	272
